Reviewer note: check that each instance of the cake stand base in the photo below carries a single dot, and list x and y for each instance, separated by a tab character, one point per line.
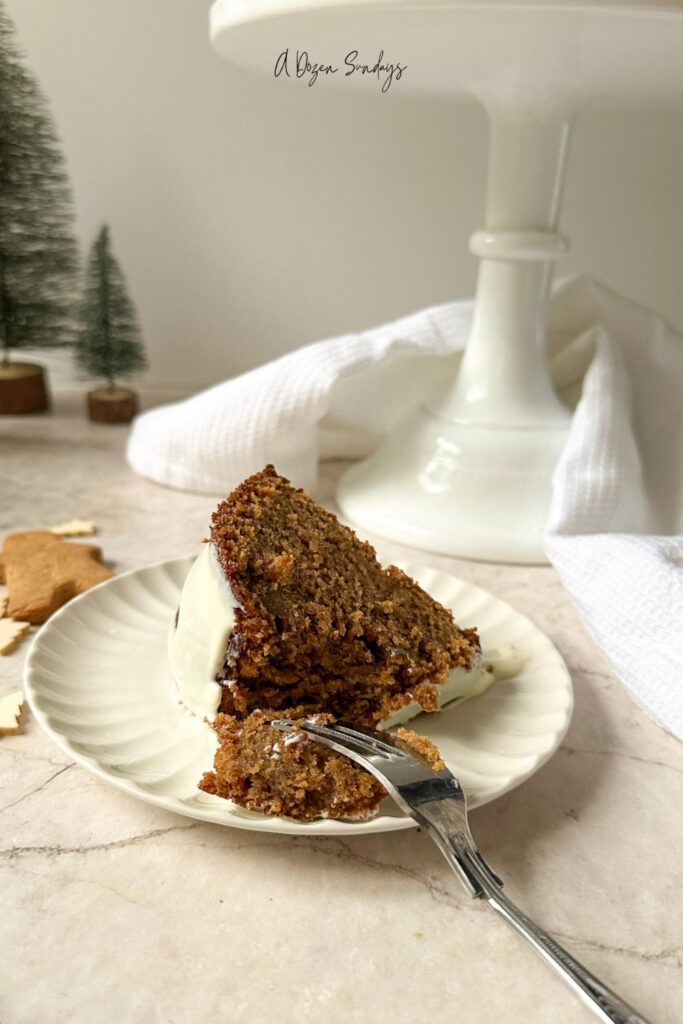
456	489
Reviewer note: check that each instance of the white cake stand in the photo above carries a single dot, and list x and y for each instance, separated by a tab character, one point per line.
471	474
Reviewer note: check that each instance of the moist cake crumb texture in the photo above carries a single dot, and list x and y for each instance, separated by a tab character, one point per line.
422	746
321	624
264	769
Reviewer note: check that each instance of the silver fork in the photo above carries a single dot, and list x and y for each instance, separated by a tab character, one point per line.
437	802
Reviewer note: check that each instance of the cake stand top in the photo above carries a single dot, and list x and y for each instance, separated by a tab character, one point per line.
621	48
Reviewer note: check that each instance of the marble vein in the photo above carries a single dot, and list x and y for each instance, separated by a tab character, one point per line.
13	852
587	752
37	789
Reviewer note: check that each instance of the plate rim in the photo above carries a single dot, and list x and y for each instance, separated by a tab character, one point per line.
264	823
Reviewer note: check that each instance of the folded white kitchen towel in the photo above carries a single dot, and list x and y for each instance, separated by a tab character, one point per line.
616	520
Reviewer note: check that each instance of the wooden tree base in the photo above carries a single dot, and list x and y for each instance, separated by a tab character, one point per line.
22	389
112	405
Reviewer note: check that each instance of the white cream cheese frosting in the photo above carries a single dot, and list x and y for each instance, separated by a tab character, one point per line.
501	663
198	642
206	619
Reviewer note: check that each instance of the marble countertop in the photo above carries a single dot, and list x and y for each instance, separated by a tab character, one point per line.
116	912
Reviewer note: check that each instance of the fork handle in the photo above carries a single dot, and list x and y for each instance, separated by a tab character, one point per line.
604	1003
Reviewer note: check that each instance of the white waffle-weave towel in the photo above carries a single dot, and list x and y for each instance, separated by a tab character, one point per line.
615	525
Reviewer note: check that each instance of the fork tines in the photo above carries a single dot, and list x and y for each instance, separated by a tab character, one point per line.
344	738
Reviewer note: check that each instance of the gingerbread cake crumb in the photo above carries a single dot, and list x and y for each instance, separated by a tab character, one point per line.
422	746
321	624
287	774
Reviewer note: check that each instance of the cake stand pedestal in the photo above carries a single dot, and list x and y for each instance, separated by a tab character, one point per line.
470	475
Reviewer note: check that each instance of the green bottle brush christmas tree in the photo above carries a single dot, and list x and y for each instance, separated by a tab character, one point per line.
38	251
108	345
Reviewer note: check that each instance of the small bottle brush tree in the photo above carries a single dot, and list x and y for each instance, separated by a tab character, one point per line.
108	345
38	251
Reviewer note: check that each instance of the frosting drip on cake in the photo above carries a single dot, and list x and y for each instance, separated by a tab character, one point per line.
501	663
198	641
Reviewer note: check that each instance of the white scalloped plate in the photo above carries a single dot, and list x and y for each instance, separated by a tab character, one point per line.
98	681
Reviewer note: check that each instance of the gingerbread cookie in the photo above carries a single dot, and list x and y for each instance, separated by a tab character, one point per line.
43	572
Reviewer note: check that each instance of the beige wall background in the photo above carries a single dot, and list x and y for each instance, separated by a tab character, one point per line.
253	215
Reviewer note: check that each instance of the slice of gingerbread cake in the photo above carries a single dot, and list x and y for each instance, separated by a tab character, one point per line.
319	622
287	609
